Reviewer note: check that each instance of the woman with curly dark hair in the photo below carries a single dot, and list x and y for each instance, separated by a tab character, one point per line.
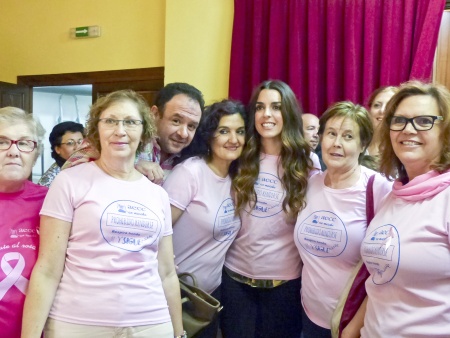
199	188
263	267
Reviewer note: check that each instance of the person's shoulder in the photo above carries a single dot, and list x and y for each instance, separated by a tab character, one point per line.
35	190
151	188
192	164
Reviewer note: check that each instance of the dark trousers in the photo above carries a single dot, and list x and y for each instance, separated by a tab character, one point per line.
211	330
312	330
258	312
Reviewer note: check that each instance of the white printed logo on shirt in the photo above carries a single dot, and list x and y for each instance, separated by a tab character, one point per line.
381	251
129	225
322	234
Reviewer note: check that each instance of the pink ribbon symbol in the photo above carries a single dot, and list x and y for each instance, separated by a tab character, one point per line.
13	275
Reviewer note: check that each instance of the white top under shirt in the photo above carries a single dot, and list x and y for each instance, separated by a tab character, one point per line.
328	235
111	275
208	225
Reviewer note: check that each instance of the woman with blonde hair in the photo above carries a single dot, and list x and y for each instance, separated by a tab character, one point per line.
105	264
407	245
20	201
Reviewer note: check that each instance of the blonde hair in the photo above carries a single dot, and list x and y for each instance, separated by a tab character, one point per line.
390	164
13	115
103	103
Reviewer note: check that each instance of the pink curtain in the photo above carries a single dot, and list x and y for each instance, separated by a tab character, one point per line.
332	50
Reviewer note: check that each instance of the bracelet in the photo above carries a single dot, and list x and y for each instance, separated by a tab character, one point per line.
183	335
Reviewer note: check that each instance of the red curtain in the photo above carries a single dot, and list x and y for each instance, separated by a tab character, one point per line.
332	50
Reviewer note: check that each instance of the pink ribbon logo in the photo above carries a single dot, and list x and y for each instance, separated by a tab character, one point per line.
13	275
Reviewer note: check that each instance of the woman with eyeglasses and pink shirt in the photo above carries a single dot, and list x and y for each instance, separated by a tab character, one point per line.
106	264
65	139
20	202
407	245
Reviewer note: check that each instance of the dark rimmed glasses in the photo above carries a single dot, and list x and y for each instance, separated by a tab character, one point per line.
72	142
127	123
419	123
25	146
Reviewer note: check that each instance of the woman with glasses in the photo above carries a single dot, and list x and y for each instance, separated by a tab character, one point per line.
65	139
407	245
20	202
105	265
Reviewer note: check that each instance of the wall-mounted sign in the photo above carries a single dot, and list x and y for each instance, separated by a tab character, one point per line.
85	32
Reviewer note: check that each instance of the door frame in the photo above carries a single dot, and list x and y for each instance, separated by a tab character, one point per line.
143	80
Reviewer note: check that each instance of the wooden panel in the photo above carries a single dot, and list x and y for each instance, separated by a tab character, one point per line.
148	89
146	81
15	96
140	74
442	62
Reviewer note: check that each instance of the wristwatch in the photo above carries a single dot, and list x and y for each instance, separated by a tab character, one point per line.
183	335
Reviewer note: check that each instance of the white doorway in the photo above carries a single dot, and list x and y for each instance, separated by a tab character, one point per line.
56	104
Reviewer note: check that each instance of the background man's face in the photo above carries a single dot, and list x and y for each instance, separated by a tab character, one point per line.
311	130
178	123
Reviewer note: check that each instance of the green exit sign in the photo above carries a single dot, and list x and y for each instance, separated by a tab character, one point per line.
81	32
85	32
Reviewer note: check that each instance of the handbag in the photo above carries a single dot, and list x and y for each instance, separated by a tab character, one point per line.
355	291
199	307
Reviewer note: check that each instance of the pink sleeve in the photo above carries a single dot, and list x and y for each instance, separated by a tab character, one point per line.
181	186
59	200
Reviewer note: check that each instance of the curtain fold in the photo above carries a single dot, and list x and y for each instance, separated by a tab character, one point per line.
332	50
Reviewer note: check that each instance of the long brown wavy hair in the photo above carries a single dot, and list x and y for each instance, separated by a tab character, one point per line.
294	155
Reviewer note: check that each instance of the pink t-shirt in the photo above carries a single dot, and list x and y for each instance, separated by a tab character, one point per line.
208	225
264	247
111	275
19	245
328	235
407	252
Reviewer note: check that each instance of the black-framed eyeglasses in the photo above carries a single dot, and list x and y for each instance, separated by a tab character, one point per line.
127	123
419	123
25	146
72	142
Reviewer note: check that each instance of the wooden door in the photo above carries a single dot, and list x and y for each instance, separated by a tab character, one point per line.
15	96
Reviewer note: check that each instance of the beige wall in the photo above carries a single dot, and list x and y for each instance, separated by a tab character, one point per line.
190	38
198	44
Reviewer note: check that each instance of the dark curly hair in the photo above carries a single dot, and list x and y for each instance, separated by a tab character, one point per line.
201	143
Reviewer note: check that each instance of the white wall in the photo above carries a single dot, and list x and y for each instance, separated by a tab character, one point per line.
46	106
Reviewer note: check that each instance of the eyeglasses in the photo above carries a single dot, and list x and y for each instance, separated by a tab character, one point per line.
72	142
419	123
127	123
25	146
